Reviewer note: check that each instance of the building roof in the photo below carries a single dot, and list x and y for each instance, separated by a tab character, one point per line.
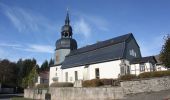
44	74
144	60
158	60
108	50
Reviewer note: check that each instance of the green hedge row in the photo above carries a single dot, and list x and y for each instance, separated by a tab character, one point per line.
99	82
128	77
40	86
145	75
154	74
62	84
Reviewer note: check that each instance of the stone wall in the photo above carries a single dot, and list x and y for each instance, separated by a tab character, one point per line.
99	93
105	93
147	85
35	94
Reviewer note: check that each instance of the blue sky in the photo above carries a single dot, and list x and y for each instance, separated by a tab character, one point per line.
30	28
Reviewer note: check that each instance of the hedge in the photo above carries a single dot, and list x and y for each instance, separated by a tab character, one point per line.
100	82
42	86
92	83
154	74
61	84
128	77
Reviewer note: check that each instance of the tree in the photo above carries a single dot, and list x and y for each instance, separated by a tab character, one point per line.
44	66
8	72
29	81
165	52
27	68
51	62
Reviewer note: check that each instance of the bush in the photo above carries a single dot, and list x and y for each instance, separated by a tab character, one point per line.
42	86
128	77
92	83
62	84
154	74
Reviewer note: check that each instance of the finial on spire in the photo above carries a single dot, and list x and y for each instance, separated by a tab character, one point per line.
67	21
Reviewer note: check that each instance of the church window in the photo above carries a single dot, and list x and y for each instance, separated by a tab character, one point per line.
76	75
66	76
128	69
97	73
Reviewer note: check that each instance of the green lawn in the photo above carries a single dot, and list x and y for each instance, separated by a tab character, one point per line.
20	98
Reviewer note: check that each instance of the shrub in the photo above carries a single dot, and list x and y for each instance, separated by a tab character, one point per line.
92	83
107	81
61	84
111	82
42	86
154	74
128	77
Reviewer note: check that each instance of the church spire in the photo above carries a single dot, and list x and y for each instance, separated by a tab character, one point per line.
67	20
66	30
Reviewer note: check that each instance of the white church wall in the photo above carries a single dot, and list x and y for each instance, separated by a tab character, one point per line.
109	69
55	72
71	74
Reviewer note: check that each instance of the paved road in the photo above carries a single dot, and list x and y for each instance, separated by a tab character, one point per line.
8	96
161	95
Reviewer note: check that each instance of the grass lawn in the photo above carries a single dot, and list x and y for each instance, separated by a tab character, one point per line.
20	98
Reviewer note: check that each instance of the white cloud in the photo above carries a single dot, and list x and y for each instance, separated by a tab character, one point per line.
9	45
25	20
99	22
87	24
40	48
29	47
81	27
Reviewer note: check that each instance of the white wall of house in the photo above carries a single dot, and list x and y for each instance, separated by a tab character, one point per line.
160	68
38	81
135	68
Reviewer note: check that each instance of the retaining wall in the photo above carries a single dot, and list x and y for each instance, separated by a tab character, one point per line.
105	93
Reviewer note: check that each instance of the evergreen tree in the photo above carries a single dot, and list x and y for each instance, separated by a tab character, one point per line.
165	52
51	62
44	66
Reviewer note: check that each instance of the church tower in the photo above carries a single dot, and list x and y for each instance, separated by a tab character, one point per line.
66	43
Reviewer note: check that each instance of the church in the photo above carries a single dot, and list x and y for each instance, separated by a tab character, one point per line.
107	59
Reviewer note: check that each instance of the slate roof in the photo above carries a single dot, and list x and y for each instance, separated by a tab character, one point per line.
108	50
157	59
144	60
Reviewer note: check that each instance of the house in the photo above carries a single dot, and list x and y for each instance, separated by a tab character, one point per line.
159	65
144	64
43	78
106	59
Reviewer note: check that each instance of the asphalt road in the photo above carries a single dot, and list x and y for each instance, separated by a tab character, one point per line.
8	96
161	95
